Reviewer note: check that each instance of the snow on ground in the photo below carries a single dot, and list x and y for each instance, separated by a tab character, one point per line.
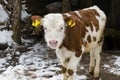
6	37
115	68
3	14
2	26
24	14
35	65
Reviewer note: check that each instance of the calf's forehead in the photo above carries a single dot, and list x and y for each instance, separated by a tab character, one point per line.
53	21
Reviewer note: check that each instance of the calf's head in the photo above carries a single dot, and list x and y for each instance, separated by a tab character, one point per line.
54	27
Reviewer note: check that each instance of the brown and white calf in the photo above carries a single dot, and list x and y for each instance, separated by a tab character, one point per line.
74	33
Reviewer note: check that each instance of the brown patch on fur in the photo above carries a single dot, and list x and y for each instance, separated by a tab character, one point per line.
94	38
89	18
85	43
89	39
101	40
74	35
70	72
63	69
78	53
67	60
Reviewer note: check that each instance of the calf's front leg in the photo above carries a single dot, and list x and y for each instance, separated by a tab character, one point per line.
64	72
72	66
68	68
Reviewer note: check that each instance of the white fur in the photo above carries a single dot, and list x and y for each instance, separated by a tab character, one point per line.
63	54
53	24
78	13
67	14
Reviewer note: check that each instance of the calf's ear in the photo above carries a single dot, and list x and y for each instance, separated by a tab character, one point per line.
36	20
70	21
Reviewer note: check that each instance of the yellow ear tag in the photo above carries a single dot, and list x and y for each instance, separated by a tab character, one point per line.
71	23
36	23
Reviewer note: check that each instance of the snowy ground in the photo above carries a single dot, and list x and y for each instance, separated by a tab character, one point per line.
35	64
38	62
5	37
3	15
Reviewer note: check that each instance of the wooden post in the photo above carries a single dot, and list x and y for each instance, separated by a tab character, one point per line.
16	17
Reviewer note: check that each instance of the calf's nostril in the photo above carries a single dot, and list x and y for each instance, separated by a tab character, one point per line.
53	42
50	42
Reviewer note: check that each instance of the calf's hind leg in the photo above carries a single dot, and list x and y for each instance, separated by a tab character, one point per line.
92	62
94	67
97	63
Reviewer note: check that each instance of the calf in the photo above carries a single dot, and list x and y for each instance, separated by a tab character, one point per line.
74	33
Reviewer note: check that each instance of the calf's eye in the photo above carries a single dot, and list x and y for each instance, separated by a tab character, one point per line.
61	28
45	28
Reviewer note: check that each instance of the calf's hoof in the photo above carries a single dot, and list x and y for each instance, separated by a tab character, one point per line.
96	78
91	73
